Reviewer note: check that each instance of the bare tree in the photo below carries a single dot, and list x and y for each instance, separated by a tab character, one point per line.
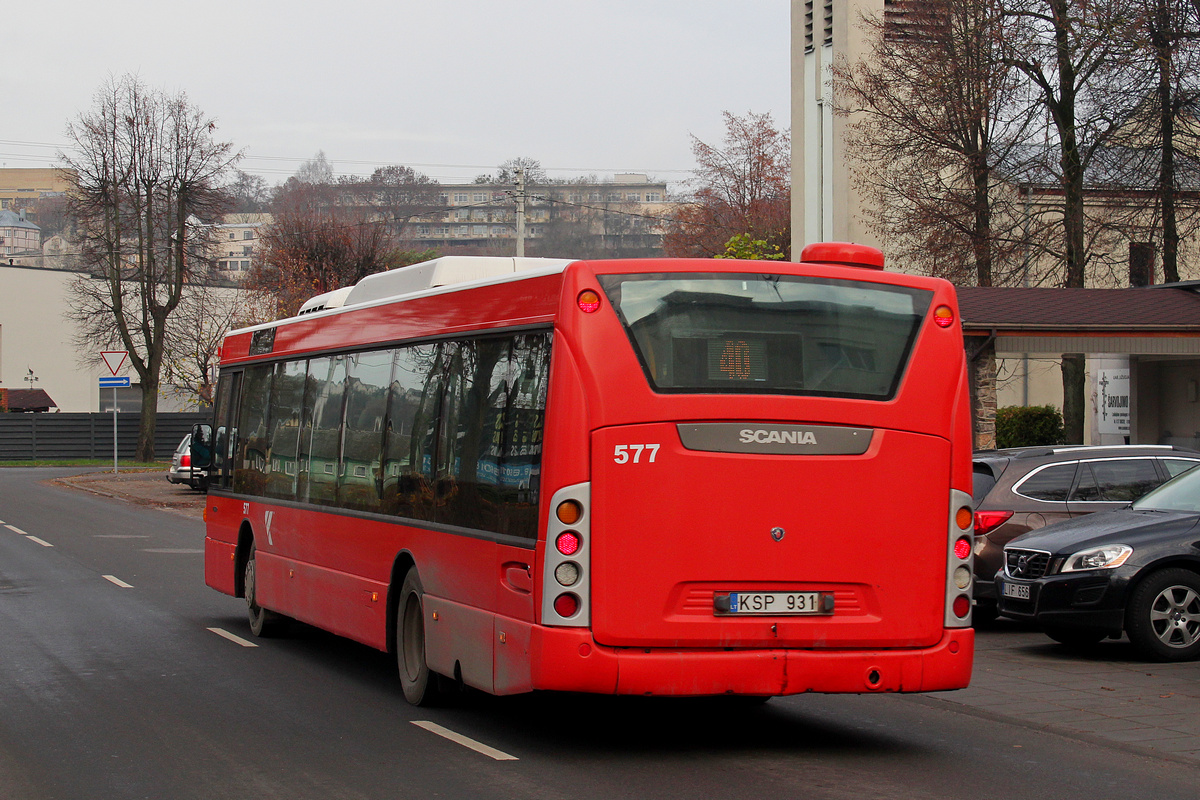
249	193
1154	154
743	186
316	170
144	163
1071	51
937	118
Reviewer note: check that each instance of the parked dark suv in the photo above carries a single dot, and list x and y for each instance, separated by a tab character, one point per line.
1026	488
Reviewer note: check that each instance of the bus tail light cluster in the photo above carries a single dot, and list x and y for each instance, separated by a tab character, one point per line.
959	557
566	587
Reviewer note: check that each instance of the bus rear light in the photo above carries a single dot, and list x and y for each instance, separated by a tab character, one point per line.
569	512
567	543
962	548
589	301
962	577
943	316
567	559
566	605
567	573
987	521
964	518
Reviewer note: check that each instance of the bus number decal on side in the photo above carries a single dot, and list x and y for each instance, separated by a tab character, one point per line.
621	454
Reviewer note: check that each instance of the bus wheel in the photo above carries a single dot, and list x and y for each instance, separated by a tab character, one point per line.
420	685
262	622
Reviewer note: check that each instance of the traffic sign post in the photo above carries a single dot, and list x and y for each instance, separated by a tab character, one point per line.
114	360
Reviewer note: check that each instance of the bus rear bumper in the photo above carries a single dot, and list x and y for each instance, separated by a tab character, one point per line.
567	659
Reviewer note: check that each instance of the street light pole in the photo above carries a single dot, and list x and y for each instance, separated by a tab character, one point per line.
520	196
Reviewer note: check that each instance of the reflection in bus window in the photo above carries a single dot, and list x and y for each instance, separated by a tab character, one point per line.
287	401
320	437
413	405
366	403
250	460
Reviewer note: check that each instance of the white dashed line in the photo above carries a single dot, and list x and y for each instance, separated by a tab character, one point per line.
465	741
113	579
235	639
42	542
15	529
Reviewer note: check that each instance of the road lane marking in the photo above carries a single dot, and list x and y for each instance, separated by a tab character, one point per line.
42	542
117	581
235	639
465	741
15	529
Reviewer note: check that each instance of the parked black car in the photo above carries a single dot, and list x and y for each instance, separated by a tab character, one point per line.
1026	488
1136	570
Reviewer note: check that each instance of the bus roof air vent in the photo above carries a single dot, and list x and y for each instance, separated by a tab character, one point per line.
442	272
845	254
334	299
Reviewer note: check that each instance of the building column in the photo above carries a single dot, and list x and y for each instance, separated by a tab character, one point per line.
982	375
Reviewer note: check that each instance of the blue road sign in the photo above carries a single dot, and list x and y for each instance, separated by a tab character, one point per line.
113	383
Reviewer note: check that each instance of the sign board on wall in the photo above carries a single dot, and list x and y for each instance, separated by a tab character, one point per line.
1112	399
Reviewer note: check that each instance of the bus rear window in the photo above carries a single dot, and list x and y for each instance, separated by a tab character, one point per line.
761	333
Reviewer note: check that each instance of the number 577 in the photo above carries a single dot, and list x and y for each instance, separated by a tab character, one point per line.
632	453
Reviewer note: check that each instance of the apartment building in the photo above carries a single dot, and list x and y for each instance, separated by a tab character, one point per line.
233	243
18	186
621	217
18	236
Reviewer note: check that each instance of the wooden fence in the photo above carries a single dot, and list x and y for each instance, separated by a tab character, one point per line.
26	437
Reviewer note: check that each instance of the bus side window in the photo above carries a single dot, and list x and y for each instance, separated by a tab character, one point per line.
414	402
469	492
287	400
228	394
320	436
250	457
521	447
362	444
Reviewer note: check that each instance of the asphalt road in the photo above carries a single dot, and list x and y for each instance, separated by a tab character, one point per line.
123	676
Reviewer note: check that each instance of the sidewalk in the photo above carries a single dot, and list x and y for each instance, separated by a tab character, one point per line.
1103	694
144	488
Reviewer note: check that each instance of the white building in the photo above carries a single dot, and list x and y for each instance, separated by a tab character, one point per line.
37	341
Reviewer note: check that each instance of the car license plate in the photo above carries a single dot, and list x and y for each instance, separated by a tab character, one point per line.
772	603
1018	590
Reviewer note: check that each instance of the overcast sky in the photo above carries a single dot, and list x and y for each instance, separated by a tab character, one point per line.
450	87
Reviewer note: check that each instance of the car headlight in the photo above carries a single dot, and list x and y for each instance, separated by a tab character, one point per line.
1110	556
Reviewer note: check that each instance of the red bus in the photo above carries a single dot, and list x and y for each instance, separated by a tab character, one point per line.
658	477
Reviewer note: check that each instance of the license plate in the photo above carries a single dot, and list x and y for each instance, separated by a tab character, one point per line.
1017	590
772	603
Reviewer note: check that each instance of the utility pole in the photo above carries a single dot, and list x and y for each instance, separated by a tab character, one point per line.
520	197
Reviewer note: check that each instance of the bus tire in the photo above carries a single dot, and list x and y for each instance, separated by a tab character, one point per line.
420	685
263	623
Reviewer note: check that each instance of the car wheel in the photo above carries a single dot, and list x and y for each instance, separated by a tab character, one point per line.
1163	615
1076	637
262	622
421	687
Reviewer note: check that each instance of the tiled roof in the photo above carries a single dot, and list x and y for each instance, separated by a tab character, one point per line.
30	400
1081	310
